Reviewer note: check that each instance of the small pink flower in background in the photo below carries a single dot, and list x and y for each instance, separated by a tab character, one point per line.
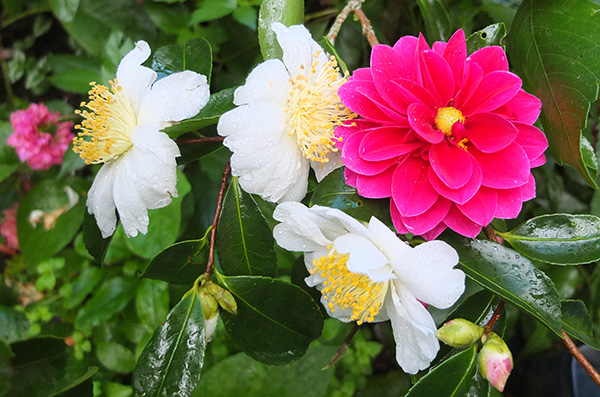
448	137
8	227
39	138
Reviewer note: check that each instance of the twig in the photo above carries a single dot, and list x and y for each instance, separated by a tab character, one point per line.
343	347
490	233
213	232
367	28
496	315
204	139
591	371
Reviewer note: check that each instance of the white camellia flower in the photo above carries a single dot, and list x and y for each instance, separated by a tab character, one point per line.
367	274
121	128
285	120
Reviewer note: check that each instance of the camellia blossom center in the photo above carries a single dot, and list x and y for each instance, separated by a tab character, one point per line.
108	121
314	109
446	117
347	290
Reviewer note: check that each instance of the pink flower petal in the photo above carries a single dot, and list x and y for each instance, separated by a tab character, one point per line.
429	219
411	189
510	203
490	59
495	89
397	218
433	233
352	95
471	77
410	92
455	54
350	177
361	74
406	47
482	207
439	47
376	186
373	95
386	143
523	107
438	76
490	132
422	120
349	128
453	165
462	194
504	169
353	160
458	222
387	64
528	190
541	160
532	140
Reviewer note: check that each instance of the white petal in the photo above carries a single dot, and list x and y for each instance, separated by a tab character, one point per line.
176	97
100	201
414	331
364	257
428	273
132	211
299	228
132	76
298	48
387	241
324	169
150	139
268	82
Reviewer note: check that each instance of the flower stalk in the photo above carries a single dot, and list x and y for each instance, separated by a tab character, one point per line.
213	233
367	28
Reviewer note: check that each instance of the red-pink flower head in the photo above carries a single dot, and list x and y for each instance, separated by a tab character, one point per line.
39	138
448	137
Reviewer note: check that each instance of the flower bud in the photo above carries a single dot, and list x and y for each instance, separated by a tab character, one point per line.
459	333
210	311
495	360
224	297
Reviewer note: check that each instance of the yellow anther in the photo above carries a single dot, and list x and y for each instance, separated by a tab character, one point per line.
446	117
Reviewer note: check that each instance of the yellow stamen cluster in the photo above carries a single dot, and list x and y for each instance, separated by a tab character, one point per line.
445	119
346	290
108	121
314	109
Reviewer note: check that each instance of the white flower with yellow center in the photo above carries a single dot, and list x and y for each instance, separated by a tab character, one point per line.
121	128
367	274
285	120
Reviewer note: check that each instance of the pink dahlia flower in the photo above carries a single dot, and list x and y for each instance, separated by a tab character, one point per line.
448	137
39	138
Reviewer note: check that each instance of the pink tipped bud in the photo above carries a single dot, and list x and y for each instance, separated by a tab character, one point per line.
459	333
495	360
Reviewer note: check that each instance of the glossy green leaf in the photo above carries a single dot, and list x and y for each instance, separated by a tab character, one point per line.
554	47
511	276
180	263
304	377
38	365
64	10
275	322
288	12
437	20
82	286
334	192
561	239
6	371
219	103
37	243
14	325
171	362
109	299
451	378
152	302
577	323
488	36
92	238
194	55
115	357
211	10
244	240
82	386
164	224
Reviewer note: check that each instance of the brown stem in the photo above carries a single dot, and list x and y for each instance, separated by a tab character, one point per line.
353	6
213	232
343	347
204	139
496	315
490	233
591	371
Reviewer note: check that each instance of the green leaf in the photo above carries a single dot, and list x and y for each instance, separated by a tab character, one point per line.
194	55
64	10
109	299
513	277
304	377
288	12
212	9
246	15
334	192
164	224
152	302
561	239
92	238
180	263
83	285
451	378
37	243
171	362
6	371
244	239
14	325
275	322
38	365
218	103
115	357
81	386
577	323
437	20
554	47
488	36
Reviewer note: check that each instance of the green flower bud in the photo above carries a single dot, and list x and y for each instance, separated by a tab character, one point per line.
210	307
224	297
495	360
459	333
